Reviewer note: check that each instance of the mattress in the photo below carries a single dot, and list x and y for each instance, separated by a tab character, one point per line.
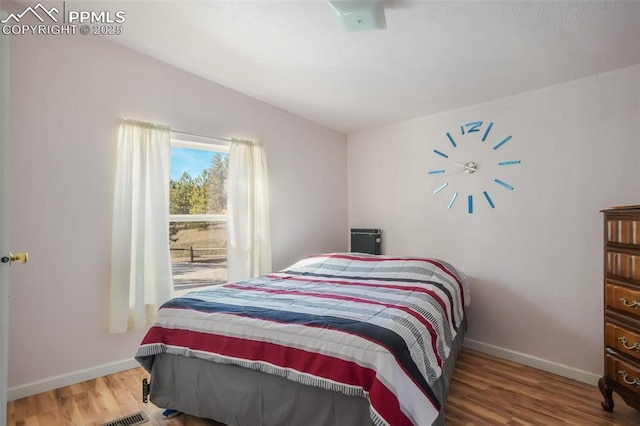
334	339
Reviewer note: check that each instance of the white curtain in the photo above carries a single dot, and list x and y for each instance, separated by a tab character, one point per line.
248	239
141	277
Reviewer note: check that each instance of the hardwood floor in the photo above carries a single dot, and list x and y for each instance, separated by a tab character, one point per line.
484	391
491	391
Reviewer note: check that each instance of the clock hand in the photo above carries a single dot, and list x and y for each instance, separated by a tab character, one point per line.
464	165
469	168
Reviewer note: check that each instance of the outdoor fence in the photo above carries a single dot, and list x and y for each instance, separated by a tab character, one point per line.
214	252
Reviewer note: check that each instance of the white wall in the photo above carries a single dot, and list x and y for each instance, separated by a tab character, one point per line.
535	261
67	94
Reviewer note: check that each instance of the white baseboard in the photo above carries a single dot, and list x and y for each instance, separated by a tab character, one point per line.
532	361
70	379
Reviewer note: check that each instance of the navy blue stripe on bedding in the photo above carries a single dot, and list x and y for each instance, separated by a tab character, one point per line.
382	336
399	280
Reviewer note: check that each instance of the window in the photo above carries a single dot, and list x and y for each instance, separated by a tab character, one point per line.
198	212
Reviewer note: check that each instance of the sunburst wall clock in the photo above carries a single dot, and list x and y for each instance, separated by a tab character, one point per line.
456	157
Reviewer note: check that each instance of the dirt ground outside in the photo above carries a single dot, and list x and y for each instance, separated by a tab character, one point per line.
198	254
191	275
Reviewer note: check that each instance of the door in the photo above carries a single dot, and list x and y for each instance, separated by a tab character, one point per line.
4	221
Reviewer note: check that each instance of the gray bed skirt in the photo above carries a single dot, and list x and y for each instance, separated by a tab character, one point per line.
237	396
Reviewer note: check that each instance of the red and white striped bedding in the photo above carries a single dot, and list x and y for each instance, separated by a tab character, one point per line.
374	326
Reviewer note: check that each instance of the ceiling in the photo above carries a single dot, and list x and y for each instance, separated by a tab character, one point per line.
433	56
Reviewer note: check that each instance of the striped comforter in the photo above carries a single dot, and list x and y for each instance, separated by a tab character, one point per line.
374	326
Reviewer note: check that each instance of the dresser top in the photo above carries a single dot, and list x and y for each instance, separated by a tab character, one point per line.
634	208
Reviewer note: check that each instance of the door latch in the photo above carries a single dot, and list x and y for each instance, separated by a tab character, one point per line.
18	258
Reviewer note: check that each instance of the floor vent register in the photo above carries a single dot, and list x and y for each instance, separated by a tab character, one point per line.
130	420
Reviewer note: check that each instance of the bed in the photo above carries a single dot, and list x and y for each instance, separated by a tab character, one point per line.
335	339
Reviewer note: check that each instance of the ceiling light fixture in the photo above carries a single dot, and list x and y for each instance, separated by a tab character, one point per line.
359	15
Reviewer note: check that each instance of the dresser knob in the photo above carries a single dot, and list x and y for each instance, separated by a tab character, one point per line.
635	347
634	304
624	375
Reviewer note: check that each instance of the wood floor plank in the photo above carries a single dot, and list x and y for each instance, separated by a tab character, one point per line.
484	391
526	395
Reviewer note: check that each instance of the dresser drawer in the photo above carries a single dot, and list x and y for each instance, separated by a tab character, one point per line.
623	231
624	265
623	373
622	340
623	299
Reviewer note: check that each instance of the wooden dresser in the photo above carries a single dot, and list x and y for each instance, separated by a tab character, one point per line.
621	306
